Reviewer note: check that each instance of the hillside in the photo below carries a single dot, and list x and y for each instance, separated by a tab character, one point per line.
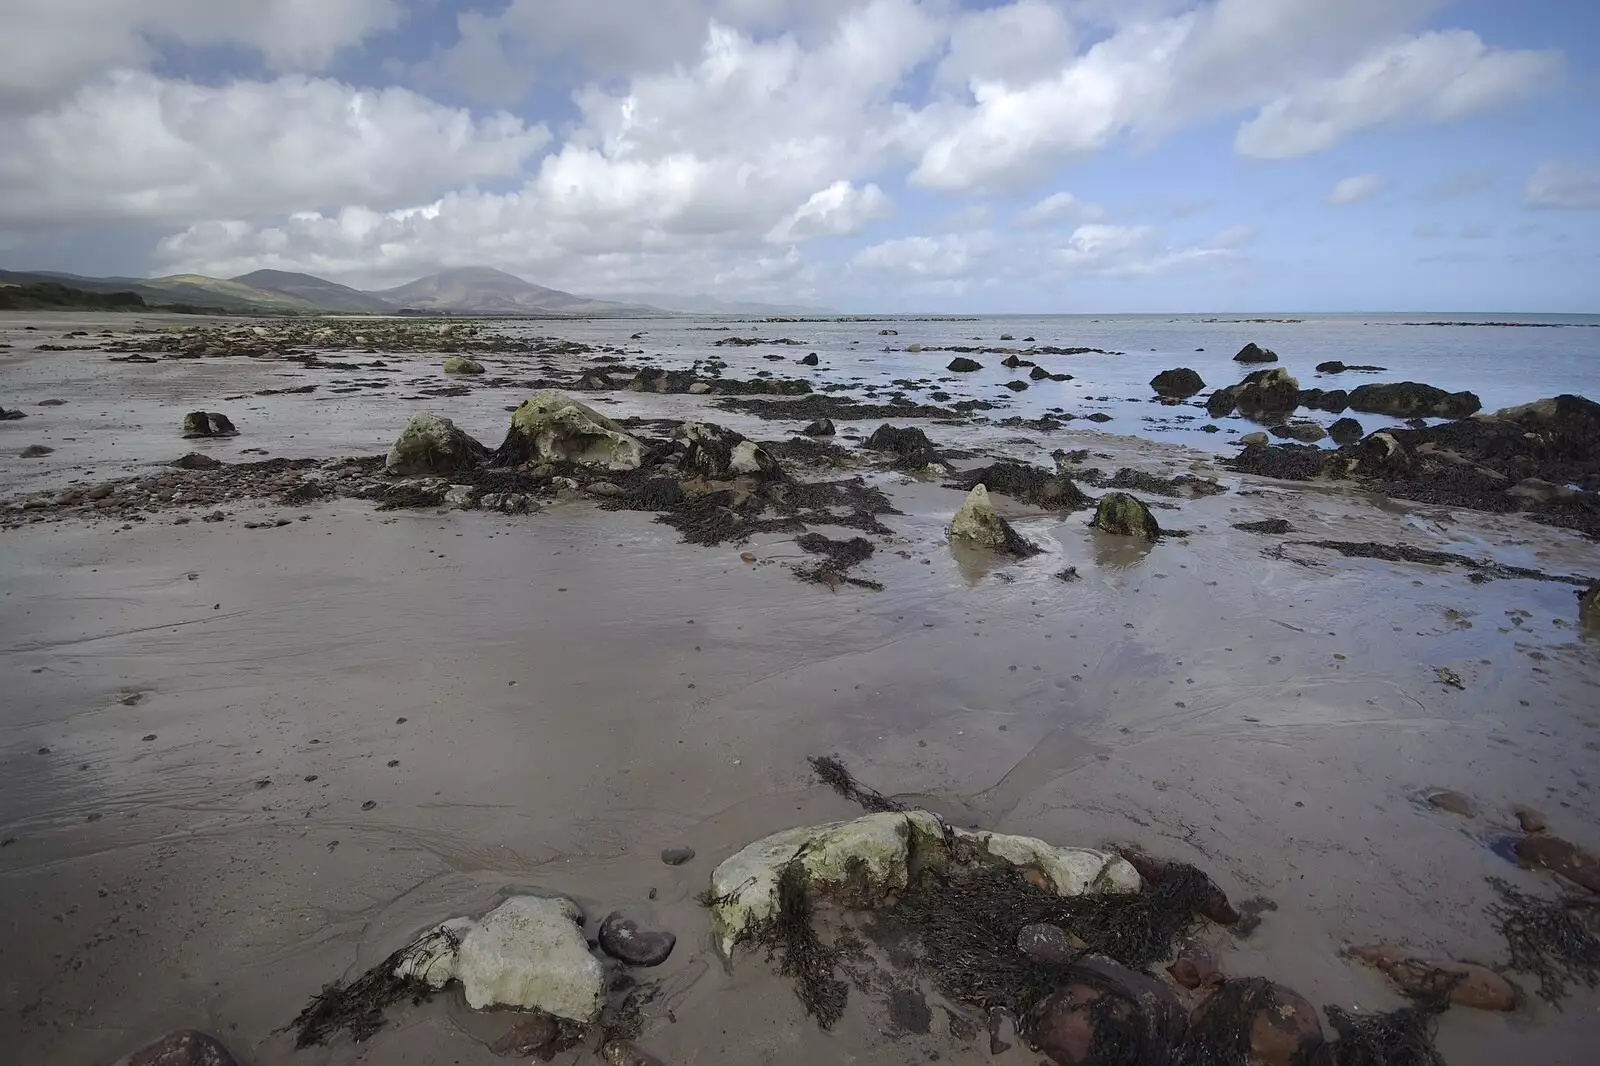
486	291
317	292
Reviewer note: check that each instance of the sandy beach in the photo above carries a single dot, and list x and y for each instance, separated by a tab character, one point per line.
239	763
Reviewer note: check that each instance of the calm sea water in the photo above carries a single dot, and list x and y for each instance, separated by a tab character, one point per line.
1504	365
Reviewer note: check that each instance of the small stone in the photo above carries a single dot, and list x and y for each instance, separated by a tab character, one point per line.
621	1053
822	427
676	856
622	939
603	488
369	805
536	1036
186	1047
36	451
1454	802
1194	967
1530	820
1257	439
748	557
1049	944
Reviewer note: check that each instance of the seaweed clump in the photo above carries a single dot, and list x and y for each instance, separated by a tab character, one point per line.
358	1007
837	776
790	937
1027	483
1553	940
1401	1037
838	557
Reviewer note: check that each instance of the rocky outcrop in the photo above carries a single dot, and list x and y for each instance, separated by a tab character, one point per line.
431	444
529	952
550	427
1334	401
719	453
207	424
1411	399
865	862
186	1047
460	364
1276	1025
1180	382
822	427
1125	516
910	446
977	523
962	365
1254	353
1272	391
1462	983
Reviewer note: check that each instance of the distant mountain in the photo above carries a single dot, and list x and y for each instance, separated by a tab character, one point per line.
703	304
486	291
195	289
317	292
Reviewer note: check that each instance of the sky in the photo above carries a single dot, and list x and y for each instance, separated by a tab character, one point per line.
951	156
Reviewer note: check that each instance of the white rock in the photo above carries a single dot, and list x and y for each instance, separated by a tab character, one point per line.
747	458
699	388
976	522
461	497
561	429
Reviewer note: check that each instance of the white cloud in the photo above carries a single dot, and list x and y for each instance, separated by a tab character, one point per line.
1353	190
51	47
1435	77
948	256
1564	185
1058	207
1131	251
1015	44
836	211
138	147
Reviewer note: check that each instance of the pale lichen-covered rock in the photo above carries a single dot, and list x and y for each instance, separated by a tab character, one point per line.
529	952
721	453
977	523
460	364
556	428
866	861
432	445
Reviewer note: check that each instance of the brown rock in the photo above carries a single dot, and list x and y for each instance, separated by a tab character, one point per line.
185	1047
1049	944
1529	819
1195	967
1468	985
621	1053
536	1036
1287	1033
622	939
1098	991
1454	802
1563	857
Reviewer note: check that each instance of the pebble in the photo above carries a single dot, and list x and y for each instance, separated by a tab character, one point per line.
622	939
1454	802
621	1053
186	1047
676	856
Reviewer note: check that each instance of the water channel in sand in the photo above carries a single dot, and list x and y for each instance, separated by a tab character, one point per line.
546	701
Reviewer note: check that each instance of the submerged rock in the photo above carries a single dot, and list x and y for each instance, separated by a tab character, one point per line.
431	444
1467	985
207	424
460	364
962	365
536	1036
36	451
529	952
1125	516
1254	353
1303	431
556	428
1181	382
1410	399
865	861
186	1047
1446	799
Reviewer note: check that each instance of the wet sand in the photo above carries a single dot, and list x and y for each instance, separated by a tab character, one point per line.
580	690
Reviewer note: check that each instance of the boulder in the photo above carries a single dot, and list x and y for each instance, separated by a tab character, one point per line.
721	453
699	388
1125	516
1345	431
810	360
822	427
1301	430
36	451
1039	373
1411	399
1013	361
534	1036
1017	386
1334	366
460	364
1254	353
911	446
1468	985
551	427
1334	401
866	861
978	524
1258	439
1275	1025
207	424
1445	799
1097	993
529	952
431	444
1195	967
1272	391
1220	404
962	365
623	940
1562	857
186	1047
11	415
1180	382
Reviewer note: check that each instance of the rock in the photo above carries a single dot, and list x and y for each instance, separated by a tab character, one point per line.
977	523
1267	391
529	952
1097	992
1125	516
1181	382
1099	416
721	453
822	427
810	360
1305	432
186	1047
430	444
507	503
554	428
1195	967
699	388
1039	373
1334	401
911	446
1562	857
1468	985
460	364
11	415
1049	944
1220	404
1013	361
1007	337
1257	439
196	461
962	365
1016	386
1276	1024
623	940
603	489
1254	353
537	1036
1213	904
1446	800
207	424
866	861
1345	431
1333	366
36	451
462	497
888	333
1589	605
676	856
1410	399
622	1053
